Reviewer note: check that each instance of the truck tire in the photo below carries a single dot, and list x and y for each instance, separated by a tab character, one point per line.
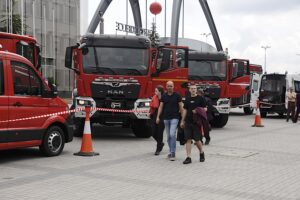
248	110
79	126
141	128
219	121
53	141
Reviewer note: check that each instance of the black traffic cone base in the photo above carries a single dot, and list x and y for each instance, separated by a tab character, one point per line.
86	154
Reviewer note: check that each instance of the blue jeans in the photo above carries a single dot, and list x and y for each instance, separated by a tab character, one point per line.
170	127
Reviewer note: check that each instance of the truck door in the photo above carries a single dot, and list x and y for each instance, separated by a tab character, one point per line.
25	102
3	107
254	89
239	82
171	64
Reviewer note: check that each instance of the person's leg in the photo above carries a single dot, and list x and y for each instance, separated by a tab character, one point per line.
293	110
154	128
296	114
188	146
167	129
159	137
173	127
160	132
200	147
196	137
288	112
206	133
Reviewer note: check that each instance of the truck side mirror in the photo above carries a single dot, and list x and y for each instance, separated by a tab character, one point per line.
50	94
69	57
54	90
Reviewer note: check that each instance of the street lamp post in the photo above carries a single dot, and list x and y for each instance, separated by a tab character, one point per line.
265	48
206	35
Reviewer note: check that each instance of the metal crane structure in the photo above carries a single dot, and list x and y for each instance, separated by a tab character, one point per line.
135	6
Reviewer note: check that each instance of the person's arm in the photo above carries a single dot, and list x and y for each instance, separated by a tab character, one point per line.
183	116
160	108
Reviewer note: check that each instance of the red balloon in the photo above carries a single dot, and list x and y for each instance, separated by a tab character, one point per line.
155	8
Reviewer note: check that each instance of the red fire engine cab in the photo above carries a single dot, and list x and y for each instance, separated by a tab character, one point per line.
22	45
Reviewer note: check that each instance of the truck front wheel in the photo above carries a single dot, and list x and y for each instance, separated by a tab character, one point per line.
219	121
53	141
141	128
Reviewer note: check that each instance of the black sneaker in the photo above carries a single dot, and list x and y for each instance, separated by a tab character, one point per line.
207	141
172	157
159	148
202	157
188	160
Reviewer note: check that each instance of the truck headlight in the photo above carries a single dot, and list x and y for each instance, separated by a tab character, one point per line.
223	102
82	102
143	104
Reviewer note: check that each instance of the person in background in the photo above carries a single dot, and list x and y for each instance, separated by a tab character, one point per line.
193	117
170	106
291	98
295	117
157	129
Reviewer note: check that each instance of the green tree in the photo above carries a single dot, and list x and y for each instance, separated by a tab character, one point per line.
16	22
154	37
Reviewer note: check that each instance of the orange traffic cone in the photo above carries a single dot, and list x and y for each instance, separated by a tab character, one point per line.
86	144
257	122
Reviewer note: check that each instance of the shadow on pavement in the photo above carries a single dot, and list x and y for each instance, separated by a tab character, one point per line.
113	133
20	154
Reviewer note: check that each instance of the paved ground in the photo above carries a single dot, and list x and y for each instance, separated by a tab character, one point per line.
241	163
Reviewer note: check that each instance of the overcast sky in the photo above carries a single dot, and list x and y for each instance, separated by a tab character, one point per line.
243	26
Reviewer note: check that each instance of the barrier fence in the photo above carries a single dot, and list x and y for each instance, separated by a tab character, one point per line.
76	110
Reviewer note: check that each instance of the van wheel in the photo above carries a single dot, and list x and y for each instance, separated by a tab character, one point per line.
79	126
219	121
248	110
141	128
53	142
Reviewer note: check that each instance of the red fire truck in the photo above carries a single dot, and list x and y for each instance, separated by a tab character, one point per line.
121	72
23	45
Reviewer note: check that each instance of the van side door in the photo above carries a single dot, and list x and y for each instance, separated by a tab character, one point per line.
3	106
25	102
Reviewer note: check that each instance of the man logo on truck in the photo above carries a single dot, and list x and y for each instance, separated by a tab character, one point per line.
115	92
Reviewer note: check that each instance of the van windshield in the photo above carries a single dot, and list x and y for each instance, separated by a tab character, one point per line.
272	84
115	61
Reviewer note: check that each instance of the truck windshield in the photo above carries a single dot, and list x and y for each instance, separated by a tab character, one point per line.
115	61
207	70
272	84
26	50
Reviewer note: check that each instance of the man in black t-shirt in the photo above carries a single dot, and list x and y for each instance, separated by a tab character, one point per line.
170	107
191	129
